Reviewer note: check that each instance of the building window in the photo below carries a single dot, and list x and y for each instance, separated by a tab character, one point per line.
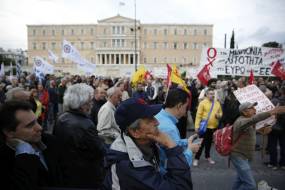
34	46
53	45
105	30
205	45
205	32
44	32
144	60
82	31
132	44
185	32
145	31
72	43
62	32
122	43
44	46
194	45
175	45
154	60
144	45
195	32
114	29
34	32
184	60
165	59
92	31
53	32
175	31
62	60
155	31
165	45
154	45
185	45
105	44
165	31
113	43
174	59
118	29
123	30
91	45
82	45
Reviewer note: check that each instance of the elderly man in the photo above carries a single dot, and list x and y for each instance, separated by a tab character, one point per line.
243	151
107	126
17	93
98	102
28	157
133	157
82	151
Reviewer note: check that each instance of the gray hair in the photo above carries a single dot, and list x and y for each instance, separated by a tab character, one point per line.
77	95
10	95
134	126
111	91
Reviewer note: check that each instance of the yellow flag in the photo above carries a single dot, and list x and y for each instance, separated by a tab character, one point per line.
138	76
176	78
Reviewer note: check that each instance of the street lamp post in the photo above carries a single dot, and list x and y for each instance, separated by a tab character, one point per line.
135	60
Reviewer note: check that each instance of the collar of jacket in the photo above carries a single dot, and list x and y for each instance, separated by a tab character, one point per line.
77	112
169	115
128	146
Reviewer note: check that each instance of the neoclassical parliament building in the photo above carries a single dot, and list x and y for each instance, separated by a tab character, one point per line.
115	44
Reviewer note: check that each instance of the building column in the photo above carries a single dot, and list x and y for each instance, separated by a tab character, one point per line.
129	59
119	59
110	58
124	58
100	55
97	58
105	58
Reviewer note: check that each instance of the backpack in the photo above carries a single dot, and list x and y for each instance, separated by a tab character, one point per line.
223	140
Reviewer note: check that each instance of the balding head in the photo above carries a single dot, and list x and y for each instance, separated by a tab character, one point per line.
114	95
17	94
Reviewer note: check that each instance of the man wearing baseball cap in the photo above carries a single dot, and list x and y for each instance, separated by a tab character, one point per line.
133	160
243	149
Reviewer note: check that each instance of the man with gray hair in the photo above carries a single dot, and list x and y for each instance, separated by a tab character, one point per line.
17	93
82	151
107	126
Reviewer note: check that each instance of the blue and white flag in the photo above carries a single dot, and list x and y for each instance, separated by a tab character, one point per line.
42	67
18	69
2	70
71	53
52	56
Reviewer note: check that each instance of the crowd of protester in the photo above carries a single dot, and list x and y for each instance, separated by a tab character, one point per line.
107	133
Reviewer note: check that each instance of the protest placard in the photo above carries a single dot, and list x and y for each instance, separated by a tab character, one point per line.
253	94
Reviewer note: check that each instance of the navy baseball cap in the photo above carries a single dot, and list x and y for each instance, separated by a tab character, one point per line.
132	109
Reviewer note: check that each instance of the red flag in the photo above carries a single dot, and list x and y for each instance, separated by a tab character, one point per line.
278	70
204	75
251	77
169	70
147	75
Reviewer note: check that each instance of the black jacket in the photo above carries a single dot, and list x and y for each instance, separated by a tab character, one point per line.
82	151
26	172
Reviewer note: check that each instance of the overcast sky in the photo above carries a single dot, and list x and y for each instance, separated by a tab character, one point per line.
254	21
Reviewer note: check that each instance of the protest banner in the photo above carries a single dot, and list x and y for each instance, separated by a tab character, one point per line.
42	67
253	94
52	56
71	53
241	61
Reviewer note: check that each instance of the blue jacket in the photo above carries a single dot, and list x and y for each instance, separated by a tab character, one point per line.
128	170
167	124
